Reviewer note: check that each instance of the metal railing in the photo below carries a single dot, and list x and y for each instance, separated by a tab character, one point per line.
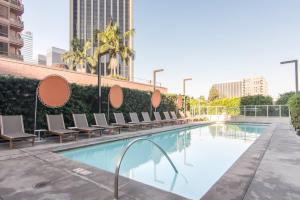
246	111
116	183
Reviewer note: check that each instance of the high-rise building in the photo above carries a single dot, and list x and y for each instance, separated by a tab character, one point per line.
54	56
11	26
27	49
87	16
41	59
246	87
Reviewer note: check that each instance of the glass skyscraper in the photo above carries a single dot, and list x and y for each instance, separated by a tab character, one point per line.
87	16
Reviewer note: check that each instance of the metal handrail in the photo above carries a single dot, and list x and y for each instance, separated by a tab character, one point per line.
116	184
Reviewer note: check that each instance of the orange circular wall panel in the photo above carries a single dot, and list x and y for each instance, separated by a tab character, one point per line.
179	102
156	99
116	96
54	91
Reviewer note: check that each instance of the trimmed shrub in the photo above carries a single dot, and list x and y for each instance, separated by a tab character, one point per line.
17	96
294	104
256	100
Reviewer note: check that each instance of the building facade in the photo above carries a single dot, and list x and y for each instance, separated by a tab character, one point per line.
246	87
27	49
41	59
54	56
11	27
87	16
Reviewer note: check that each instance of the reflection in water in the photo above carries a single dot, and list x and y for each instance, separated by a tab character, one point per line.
201	155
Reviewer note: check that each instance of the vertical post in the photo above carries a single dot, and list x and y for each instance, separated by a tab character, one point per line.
296	75
99	85
35	109
255	110
267	110
244	111
280	111
184	100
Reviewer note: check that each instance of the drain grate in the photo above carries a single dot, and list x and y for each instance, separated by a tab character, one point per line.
81	171
42	184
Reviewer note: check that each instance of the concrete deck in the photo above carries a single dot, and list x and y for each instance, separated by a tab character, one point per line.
269	169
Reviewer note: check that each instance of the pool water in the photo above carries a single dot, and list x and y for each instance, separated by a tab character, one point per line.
201	154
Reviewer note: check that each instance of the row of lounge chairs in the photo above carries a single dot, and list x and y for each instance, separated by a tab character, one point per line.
12	128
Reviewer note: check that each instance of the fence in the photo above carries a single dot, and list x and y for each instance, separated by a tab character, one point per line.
251	111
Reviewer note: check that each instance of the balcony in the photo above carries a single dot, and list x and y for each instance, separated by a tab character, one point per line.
11	55
16	41
17	24
17	6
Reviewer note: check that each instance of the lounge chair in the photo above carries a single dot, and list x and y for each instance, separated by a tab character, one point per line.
174	116
82	125
135	120
182	116
167	117
147	118
12	129
56	126
101	122
120	121
158	118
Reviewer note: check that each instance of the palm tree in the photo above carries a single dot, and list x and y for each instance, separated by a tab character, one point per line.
78	57
112	43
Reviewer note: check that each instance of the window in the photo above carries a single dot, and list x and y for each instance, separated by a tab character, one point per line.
4	11
3	48
3	30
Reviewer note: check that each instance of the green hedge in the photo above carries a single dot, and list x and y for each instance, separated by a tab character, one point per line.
17	96
294	104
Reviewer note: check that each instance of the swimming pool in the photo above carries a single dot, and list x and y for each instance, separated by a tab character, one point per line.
201	154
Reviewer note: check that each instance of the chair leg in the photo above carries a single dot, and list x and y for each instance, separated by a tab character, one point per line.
75	137
11	145
33	140
60	139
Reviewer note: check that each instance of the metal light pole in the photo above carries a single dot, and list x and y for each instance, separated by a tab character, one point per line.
184	83
99	84
296	71
154	80
154	77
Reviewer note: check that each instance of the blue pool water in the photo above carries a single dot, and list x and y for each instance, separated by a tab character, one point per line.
201	154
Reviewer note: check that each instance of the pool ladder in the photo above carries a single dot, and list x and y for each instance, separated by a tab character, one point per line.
116	183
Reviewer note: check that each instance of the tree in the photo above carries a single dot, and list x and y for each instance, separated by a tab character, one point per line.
284	98
112	43
256	100
213	94
78	57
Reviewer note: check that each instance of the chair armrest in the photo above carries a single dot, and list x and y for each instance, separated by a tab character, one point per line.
72	128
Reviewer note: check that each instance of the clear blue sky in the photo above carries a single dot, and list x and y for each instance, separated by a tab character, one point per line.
210	41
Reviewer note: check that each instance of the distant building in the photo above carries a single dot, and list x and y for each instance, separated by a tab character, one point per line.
27	49
54	56
41	59
87	16
11	25
246	87
255	86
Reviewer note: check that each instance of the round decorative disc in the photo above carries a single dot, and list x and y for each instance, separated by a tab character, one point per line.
156	99
116	96
54	91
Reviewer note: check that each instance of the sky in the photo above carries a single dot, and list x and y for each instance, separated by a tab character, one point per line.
210	41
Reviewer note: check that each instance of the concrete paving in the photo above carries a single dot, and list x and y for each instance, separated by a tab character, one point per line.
269	169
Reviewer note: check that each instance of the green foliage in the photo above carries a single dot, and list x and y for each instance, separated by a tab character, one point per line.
294	104
228	103
284	98
213	94
256	100
17	96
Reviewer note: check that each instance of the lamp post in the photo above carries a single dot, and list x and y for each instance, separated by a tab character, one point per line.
184	83
296	70
154	77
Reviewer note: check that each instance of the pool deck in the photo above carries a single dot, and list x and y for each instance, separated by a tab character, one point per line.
269	169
